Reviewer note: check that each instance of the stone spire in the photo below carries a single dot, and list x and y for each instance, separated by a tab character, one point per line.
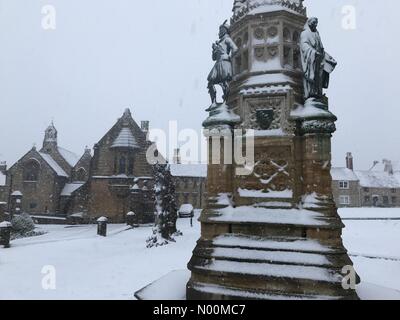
50	137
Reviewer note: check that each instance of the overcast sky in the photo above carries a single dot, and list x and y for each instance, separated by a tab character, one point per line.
154	56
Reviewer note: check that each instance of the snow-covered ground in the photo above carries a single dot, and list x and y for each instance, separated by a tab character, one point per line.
92	267
374	245
88	266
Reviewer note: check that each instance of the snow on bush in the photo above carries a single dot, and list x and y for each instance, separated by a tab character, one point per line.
23	226
165	230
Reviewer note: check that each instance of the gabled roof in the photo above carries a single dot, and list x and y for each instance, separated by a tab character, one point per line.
70	188
343	174
125	139
53	164
71	158
376	179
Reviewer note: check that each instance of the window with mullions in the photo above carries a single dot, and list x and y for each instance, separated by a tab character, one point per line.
31	171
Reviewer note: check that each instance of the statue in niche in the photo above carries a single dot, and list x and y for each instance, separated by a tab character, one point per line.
317	64
222	52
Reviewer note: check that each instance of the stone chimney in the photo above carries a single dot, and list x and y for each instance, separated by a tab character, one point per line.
349	161
177	156
388	166
145	126
3	166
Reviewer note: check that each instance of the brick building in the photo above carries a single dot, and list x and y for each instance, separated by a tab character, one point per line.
54	182
376	187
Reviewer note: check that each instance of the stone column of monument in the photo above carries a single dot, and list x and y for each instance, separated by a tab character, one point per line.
273	233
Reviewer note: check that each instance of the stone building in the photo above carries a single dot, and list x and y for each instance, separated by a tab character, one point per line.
346	185
41	176
190	183
55	183
121	178
376	187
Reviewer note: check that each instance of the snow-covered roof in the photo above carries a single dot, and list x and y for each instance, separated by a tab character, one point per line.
53	164
70	188
186	208
69	156
376	179
189	170
343	174
252	7
125	139
2	179
262	79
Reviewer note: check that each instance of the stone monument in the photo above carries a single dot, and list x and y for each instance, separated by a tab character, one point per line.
274	232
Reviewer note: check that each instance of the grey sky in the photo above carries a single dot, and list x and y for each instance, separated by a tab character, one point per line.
154	56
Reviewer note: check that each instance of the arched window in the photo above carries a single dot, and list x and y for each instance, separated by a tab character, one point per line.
31	171
122	165
81	174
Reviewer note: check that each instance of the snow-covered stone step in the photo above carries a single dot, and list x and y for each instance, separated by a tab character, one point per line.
273	257
240	294
282	244
251	214
267	270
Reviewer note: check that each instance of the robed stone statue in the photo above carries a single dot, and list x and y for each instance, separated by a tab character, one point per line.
222	52
317	64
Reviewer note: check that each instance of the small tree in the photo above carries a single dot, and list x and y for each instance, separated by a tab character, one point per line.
165	205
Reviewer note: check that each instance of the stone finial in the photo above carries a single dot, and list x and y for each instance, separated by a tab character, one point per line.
127	113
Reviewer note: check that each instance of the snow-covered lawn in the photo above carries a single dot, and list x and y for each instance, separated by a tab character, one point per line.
88	266
92	267
374	245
